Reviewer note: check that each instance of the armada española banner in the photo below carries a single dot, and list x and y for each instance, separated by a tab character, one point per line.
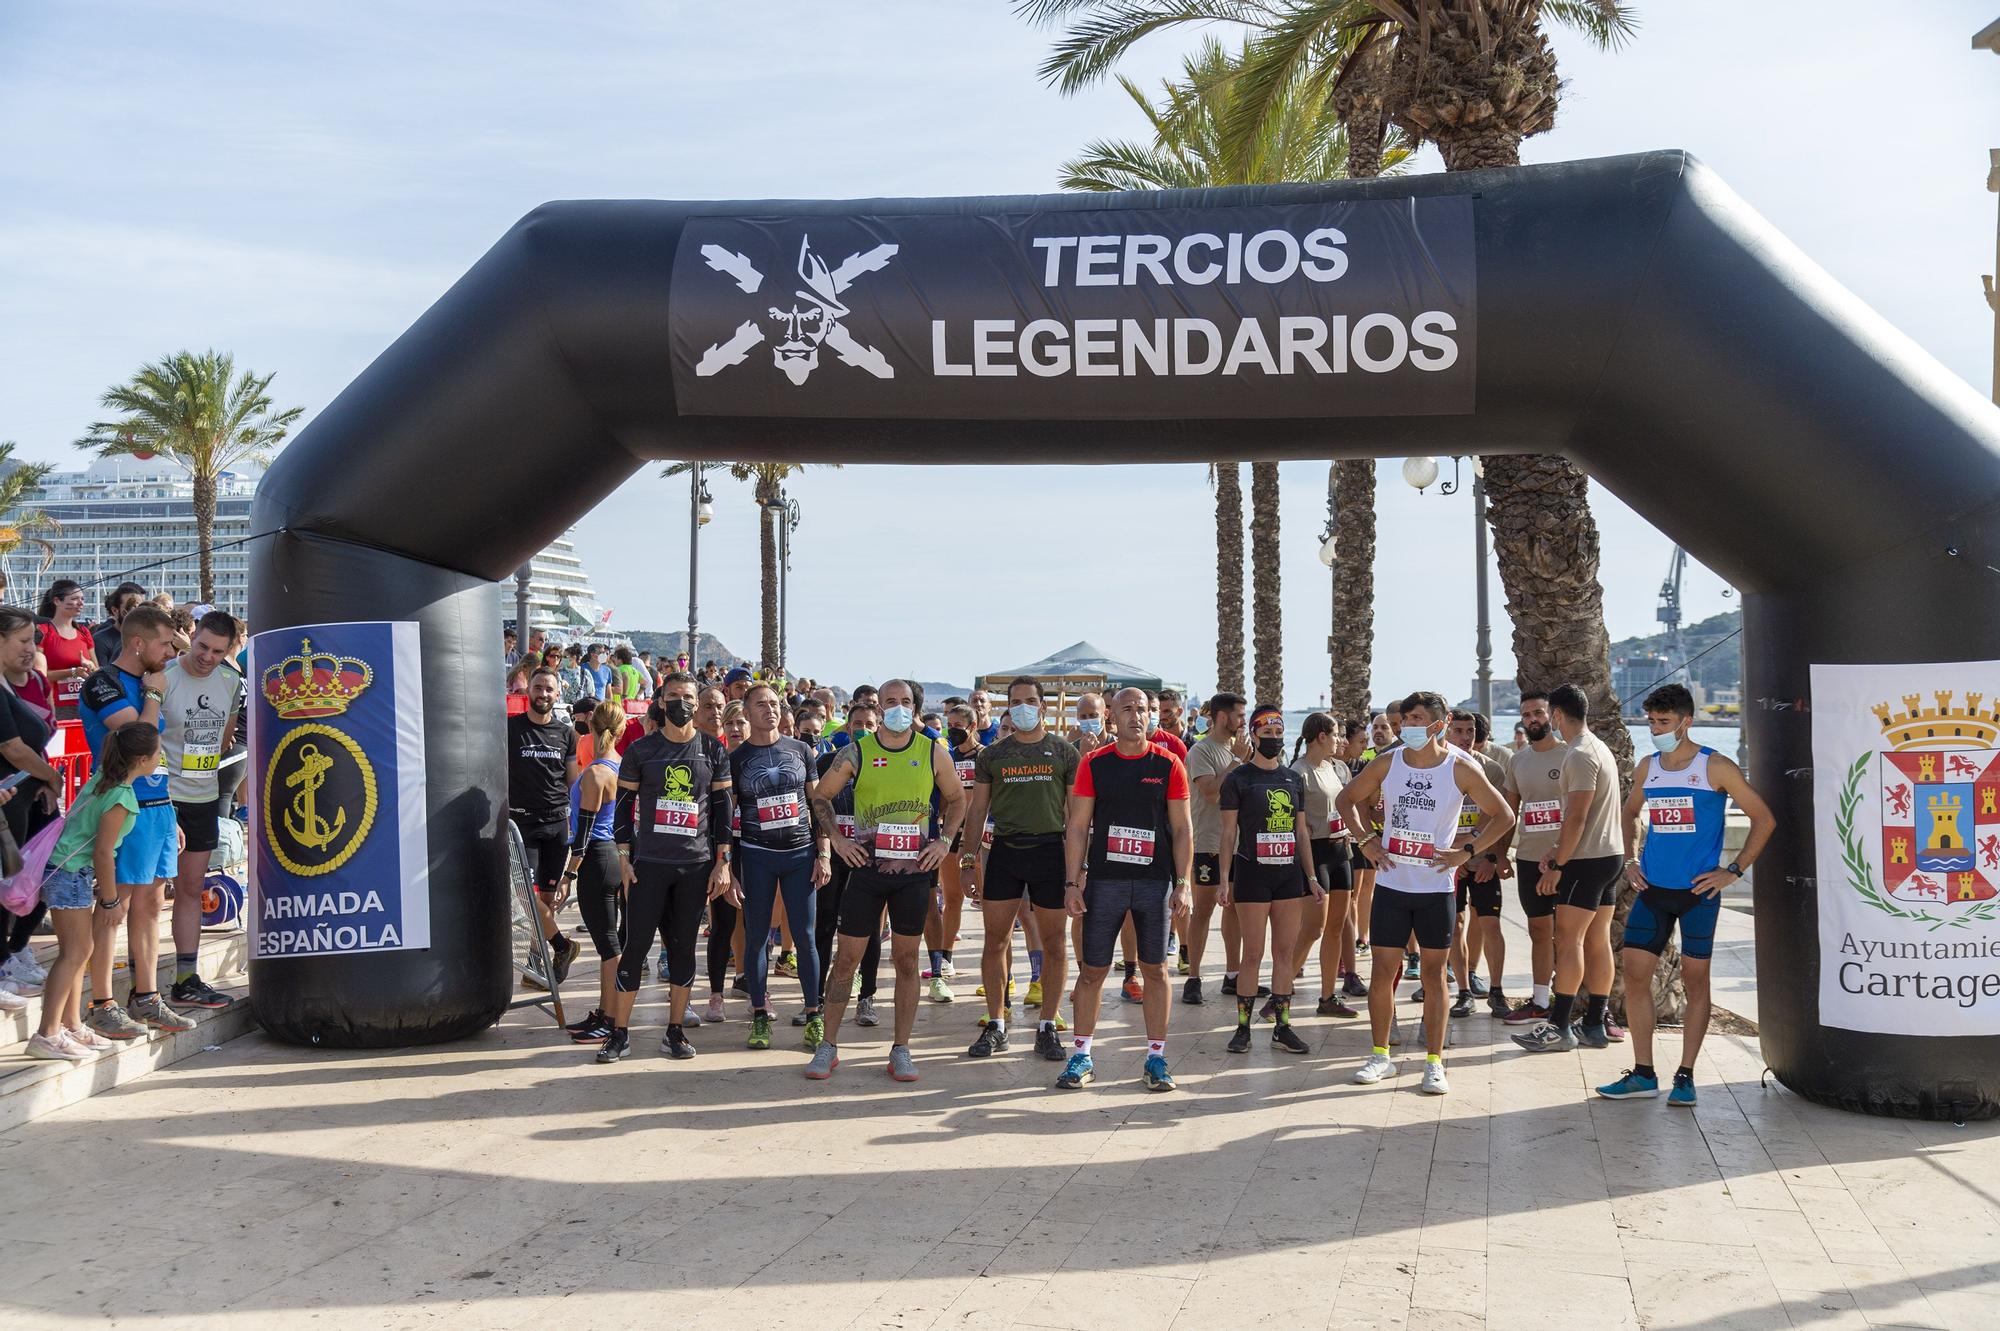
1906	789
338	862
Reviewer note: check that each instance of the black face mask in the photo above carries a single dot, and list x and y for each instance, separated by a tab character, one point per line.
1271	746
679	711
582	724
958	735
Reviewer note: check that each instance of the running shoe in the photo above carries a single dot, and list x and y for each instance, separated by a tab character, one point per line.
1417	994
1476	985
674	1044
1434	1082
940	991
1360	947
9	1000
715	1013
1181	963
740	985
85	1038
1333	1005
1354	986
1239	1042
1412	966
824	1060
1191	991
23	966
948	969
1683	1092
1269	1010
1079	1072
1614	1032
864	1013
594	1026
1462	1006
196	992
854	986
110	1021
56	1048
1229	985
979	992
1592	1037
1374	1069
815	1033
1285	1038
1133	991
562	951
692	1019
788	965
1526	1013
1496	1003
992	1039
154	1012
1157	1077
901	1066
1047	1045
760	1031
799	1019
1631	1086
1062	1025
1035	994
20	986
616	1046
1547	1038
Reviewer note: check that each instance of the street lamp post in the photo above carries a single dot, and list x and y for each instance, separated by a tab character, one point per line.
1327	551
700	510
1421	473
522	577
788	522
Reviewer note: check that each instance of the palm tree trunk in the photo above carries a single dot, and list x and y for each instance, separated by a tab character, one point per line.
767	543
1353	588
204	530
1266	579
1228	578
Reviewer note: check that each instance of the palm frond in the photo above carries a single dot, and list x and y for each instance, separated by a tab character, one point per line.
1608	23
1102	33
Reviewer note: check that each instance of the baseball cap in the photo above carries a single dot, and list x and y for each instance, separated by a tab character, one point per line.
737	676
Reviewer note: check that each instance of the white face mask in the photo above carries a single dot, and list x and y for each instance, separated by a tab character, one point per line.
1025	715
898	719
1090	725
1668	742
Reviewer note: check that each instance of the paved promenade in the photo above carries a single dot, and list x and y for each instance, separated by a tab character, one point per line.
509	1182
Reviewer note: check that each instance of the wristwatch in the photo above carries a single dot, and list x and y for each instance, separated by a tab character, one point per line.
1733	868
1180	880
1558	865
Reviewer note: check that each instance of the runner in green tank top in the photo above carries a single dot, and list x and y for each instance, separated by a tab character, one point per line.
892	860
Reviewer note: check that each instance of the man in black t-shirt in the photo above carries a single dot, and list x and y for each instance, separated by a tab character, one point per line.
541	764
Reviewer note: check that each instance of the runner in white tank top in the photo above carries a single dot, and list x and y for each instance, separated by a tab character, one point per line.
1421	788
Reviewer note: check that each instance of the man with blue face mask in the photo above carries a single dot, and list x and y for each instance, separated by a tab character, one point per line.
1024	779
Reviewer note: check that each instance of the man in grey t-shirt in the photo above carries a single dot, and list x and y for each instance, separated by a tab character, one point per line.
1207	763
197	726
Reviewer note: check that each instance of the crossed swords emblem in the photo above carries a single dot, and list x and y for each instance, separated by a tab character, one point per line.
804	327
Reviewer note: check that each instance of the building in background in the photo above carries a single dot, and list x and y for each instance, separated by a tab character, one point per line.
127	518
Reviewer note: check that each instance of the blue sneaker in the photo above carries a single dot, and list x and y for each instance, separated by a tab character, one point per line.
1079	1072
1631	1086
1157	1076
1683	1092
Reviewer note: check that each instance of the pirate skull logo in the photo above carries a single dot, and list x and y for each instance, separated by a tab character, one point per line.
813	320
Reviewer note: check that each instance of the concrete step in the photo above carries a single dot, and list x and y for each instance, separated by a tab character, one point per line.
224	956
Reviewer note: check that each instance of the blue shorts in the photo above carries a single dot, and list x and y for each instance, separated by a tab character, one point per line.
68	889
151	850
1650	925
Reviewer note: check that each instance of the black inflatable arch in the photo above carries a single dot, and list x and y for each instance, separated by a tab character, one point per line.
1632	313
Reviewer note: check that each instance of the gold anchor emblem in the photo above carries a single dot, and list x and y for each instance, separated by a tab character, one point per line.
315	833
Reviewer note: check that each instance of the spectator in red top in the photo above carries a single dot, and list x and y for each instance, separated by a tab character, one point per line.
1165	735
65	651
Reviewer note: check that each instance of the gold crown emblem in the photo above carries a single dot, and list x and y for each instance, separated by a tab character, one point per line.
315	683
1942	726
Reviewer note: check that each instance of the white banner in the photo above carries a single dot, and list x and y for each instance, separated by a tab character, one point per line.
1906	795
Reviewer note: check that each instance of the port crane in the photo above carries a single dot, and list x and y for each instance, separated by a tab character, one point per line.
1670	606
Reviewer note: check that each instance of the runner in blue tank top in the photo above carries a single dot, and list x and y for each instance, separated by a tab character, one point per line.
593	866
1682	790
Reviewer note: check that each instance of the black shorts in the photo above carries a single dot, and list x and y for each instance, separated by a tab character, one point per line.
1207	871
1033	867
1591	884
1484	898
1397	914
906	895
1528	873
1331	866
199	823
1357	861
1109	902
1257	886
547	845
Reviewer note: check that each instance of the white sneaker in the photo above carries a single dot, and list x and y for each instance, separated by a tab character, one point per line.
940	991
1434	1082
25	967
85	1038
9	1000
21	985
1375	1069
56	1047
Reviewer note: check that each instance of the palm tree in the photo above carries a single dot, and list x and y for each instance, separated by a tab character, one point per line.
767	480
1474	77
1299	139
23	526
197	411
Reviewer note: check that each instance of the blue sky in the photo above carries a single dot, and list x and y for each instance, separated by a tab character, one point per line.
298	183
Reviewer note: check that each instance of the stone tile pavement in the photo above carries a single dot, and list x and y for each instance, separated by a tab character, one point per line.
510	1182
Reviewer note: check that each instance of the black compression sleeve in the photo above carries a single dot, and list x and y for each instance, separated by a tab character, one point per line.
721	805
581	841
621	821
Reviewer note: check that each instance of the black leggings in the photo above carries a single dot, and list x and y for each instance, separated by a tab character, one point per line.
597	881
721	930
668	898
827	924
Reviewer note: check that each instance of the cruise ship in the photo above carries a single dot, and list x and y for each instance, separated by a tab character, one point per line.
131	518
